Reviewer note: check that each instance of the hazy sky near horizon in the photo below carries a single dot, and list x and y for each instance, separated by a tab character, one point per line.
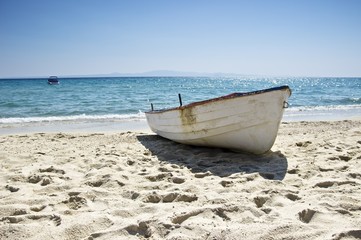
265	37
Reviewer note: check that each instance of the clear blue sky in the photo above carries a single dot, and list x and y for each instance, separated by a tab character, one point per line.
269	37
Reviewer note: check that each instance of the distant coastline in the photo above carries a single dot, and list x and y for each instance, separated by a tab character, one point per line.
171	73
160	73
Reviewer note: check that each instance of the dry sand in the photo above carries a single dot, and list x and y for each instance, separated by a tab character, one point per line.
138	186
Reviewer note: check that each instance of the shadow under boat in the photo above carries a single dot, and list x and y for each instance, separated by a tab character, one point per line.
217	161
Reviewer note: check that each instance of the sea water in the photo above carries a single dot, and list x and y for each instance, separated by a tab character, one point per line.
127	98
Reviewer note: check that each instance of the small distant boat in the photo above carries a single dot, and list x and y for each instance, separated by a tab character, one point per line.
53	80
245	122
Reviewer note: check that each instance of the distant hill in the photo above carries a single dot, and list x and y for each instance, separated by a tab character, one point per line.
156	73
161	73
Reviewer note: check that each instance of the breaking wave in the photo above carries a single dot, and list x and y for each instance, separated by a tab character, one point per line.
83	117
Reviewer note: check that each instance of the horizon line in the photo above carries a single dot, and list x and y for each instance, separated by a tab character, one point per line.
170	73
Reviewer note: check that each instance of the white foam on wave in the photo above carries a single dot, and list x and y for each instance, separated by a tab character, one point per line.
292	113
325	108
83	117
332	112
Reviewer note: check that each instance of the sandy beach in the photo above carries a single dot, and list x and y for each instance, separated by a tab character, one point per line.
134	185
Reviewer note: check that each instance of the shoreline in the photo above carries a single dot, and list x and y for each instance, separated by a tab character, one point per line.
93	126
125	125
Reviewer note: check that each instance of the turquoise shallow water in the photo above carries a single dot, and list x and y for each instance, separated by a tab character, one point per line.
80	99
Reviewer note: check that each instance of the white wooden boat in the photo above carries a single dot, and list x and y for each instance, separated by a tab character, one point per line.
240	121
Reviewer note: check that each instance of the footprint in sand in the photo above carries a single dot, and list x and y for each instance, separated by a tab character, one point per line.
99	181
142	229
11	188
11	219
164	169
130	195
221	212
345	158
178	180
159	177
34	178
351	234
293	171
326	169
292	197
260	201
327	184
16	219
152	198
306	215
170	197
183	217
56	219
186	198
52	170
355	175
303	144
37	208
226	183
75	202
45	181
202	174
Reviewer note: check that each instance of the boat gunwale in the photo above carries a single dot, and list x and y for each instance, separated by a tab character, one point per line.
225	97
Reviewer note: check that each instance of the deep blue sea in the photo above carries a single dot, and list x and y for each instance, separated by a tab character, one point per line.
87	99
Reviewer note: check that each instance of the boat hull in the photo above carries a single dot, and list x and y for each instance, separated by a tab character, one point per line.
53	83
242	122
53	80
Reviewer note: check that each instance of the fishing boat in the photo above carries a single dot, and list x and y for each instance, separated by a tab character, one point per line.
53	80
246	122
